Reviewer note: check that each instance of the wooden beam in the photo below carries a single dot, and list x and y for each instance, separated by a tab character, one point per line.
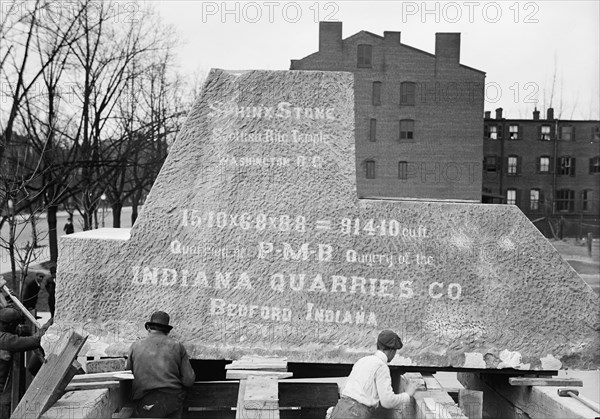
546	382
92	385
537	402
103	376
308	394
51	380
257	397
258	363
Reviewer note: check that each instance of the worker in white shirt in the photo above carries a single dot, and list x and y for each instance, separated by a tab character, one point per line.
370	385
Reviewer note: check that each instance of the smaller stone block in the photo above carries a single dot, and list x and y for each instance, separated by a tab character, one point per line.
106	365
85	404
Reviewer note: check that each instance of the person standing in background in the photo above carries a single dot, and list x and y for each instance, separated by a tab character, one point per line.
68	228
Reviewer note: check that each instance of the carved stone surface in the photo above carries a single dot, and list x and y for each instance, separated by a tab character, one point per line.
254	241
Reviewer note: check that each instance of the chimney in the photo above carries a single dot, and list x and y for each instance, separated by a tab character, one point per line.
499	113
536	114
391	38
550	114
487	115
447	47
330	37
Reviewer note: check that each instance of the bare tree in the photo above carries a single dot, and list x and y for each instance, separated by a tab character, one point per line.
104	57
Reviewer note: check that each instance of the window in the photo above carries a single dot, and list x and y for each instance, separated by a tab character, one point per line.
513	132
373	130
596	133
585	203
534	199
566	165
543	164
595	165
511	196
545	132
565	200
511	167
370	164
403	170
492	132
566	133
490	163
407	93
376	93
407	127
364	53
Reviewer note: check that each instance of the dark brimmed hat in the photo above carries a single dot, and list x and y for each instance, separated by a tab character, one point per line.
160	319
389	339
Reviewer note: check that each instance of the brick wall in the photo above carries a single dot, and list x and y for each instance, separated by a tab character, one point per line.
583	146
444	157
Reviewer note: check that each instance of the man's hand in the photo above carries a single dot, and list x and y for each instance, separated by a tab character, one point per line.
45	327
411	388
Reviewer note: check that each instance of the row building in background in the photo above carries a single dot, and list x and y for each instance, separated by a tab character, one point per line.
420	134
417	115
549	168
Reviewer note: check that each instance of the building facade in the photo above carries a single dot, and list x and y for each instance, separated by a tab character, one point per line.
549	168
418	115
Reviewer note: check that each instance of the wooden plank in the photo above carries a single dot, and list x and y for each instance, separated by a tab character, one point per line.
471	403
50	381
103	376
240	412
222	394
241	374
537	402
92	385
544	381
258	362
261	393
308	395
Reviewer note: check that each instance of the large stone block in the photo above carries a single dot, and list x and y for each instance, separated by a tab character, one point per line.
254	241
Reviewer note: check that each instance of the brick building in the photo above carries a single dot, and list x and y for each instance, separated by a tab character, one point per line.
549	167
418	115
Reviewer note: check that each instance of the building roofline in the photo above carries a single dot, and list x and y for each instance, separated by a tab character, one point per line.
541	120
412	48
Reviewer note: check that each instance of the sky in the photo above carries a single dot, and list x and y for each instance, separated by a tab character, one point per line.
525	47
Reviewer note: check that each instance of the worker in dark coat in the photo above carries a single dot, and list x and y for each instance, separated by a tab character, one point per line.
11	342
161	371
31	291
